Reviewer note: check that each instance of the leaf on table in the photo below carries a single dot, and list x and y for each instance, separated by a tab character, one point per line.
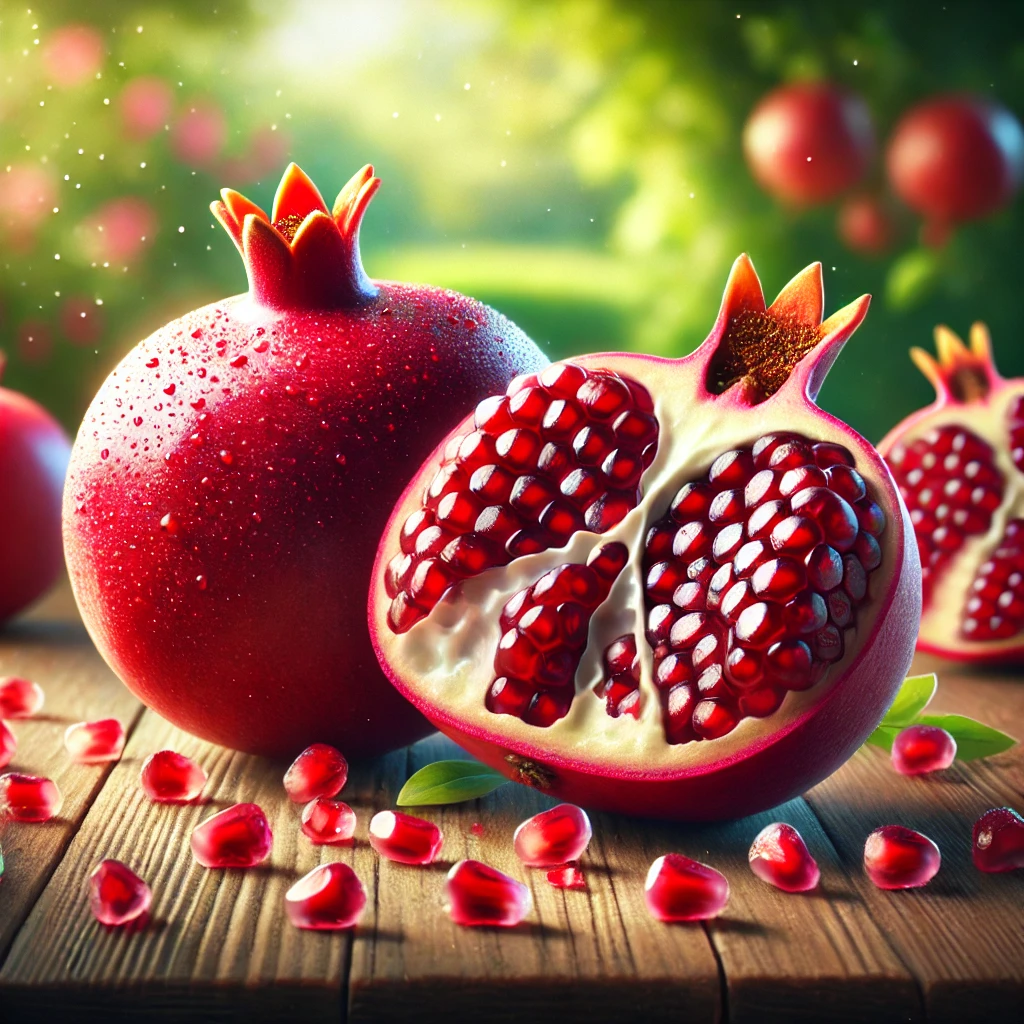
449	782
914	696
884	736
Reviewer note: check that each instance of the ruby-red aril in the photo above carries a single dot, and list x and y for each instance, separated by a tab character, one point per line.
95	742
920	749
329	898
238	837
568	876
900	858
29	797
171	778
326	821
479	895
681	889
552	837
117	896
8	745
780	857
20	698
405	838
998	840
319	770
702	637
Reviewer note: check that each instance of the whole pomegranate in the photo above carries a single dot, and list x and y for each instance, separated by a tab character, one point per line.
955	158
234	472
865	225
959	464
808	143
33	459
664	587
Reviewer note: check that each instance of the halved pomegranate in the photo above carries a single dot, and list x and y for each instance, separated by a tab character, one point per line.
959	464
664	587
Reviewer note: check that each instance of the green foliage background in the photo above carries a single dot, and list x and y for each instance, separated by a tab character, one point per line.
576	164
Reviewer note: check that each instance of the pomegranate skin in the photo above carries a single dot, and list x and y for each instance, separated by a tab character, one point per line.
233	473
34	453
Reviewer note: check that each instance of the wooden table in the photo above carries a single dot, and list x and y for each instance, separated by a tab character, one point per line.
219	947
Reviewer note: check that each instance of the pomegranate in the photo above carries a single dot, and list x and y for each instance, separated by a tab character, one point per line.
233	474
779	856
117	896
681	889
326	821
663	587
997	841
29	797
172	778
808	143
921	749
479	895
865	225
95	742
896	857
956	158
959	464
330	897
33	459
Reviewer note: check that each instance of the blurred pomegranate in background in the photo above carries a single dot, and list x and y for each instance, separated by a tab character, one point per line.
199	133
865	225
81	320
808	143
35	342
28	195
146	106
118	230
73	54
956	158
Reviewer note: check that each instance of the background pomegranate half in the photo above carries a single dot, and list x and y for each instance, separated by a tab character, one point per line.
959	464
232	476
663	587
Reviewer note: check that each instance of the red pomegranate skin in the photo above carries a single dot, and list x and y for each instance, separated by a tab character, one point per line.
34	454
956	158
233	474
808	143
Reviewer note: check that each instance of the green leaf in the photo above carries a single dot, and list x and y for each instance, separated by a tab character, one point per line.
449	782
914	696
973	739
883	736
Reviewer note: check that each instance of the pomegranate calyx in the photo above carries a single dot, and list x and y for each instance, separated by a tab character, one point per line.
759	347
302	255
529	773
960	374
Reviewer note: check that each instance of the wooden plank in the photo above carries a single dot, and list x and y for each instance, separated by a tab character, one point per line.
962	936
50	646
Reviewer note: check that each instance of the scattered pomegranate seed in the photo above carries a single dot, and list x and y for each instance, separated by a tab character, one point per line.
171	778
553	837
477	829
319	770
568	876
680	889
900	858
29	797
780	857
403	838
20	698
998	840
330	897
95	742
481	895
238	837
920	749
8	745
117	895
326	821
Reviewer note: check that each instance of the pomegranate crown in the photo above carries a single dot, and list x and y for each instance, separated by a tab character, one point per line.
302	255
761	347
961	373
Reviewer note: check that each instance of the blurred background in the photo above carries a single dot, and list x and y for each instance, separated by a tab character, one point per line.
580	165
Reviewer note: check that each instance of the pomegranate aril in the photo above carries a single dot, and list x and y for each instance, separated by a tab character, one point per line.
827	454
920	749
680	889
744	668
763	486
846	482
556	836
762	702
568	876
8	745
562	380
404	838
779	579
834	515
509	696
998	840
470	555
900	858
237	837
790	664
604	396
527	406
760	624
691	541
795	535
491	484
329	898
326	821
29	798
479	895
797	479
492	414
607	511
319	770
679	706
171	778
712	719
95	742
20	698
780	857
117	896
824	568
581	486
413	527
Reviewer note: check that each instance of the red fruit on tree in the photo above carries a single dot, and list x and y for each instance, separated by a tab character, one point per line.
920	749
233	474
958	463
998	840
808	143
780	857
865	225
663	587
900	858
33	458
956	158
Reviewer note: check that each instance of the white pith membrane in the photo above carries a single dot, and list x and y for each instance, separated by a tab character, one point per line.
945	607
444	662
